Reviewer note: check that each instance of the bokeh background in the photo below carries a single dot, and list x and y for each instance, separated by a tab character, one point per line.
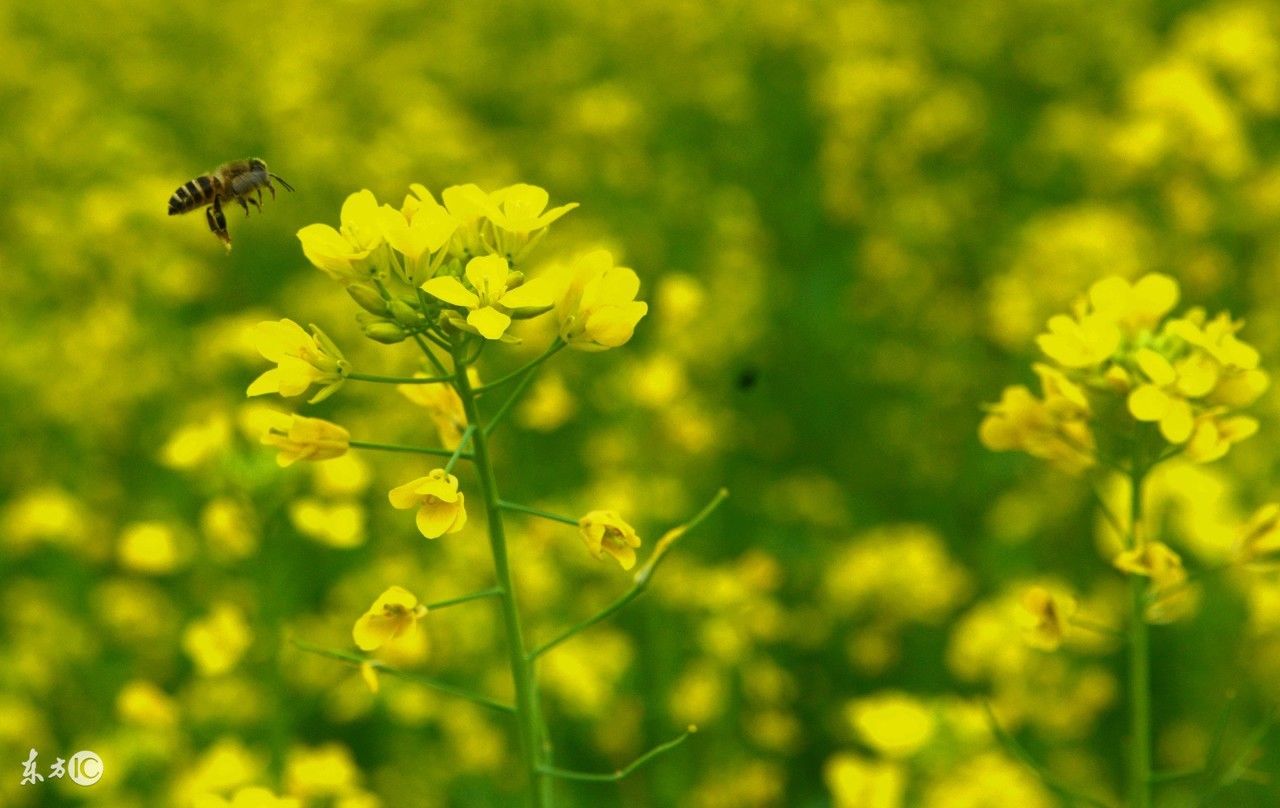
850	220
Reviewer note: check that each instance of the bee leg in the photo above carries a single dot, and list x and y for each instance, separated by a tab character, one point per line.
270	188
218	223
260	199
243	205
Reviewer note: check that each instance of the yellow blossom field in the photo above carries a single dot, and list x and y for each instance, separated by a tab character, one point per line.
575	403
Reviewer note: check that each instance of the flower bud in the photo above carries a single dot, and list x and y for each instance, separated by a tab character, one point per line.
386	332
405	314
367	298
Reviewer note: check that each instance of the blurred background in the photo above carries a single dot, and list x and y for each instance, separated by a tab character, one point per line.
850	220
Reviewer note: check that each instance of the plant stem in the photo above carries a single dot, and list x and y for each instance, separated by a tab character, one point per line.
395	447
527	713
611	777
444	604
370	377
548	515
1139	666
430	681
642	579
551	350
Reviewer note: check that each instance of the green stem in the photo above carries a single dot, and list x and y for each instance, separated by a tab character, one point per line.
430	681
567	774
1139	666
508	404
554	517
1020	752
551	350
430	354
642	579
457	453
395	447
370	377
1091	625
492	592
527	713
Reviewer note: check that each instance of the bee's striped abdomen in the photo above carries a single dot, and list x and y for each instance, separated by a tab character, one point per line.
192	195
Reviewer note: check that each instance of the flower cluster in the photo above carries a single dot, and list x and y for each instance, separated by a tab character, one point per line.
457	263
1127	384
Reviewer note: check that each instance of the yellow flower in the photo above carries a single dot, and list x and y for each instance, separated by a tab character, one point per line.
1079	343
443	406
1171	597
1055	428
301	360
468	205
521	209
322	771
606	532
894	724
341	253
1047	615
1138	306
597	308
1158	401
1214	435
441	506
394	613
1152	559
337	524
301	438
144	704
490	305
247	797
421	226
1217	338
151	547
1260	536
215	643
856	782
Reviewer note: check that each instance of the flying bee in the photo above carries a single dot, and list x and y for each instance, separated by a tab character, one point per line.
241	180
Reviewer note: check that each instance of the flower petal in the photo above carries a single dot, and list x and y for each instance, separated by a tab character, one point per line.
537	292
450	290
490	322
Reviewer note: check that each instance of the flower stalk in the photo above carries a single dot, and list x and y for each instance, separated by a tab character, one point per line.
528	715
1139	663
443	277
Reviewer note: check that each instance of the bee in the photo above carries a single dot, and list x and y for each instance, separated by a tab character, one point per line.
241	180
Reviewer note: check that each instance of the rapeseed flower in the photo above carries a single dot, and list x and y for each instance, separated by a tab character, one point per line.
1047	615
216	642
1260	536
597	307
491	299
394	613
607	532
441	506
301	359
1185	377
420	227
301	438
443	407
343	254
